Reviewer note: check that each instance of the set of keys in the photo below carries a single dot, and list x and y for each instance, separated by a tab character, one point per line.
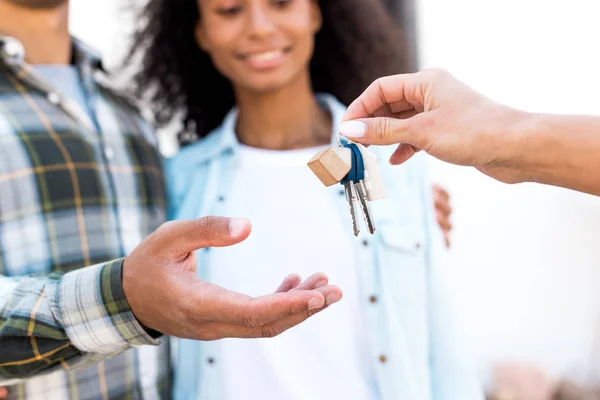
357	169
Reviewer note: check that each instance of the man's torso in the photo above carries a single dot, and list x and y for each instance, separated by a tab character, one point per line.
72	197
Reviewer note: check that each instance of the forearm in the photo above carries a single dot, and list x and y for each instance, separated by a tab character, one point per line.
557	150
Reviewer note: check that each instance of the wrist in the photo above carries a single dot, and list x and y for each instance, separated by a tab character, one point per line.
127	292
516	143
535	150
92	308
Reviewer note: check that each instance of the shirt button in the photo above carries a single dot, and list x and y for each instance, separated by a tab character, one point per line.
365	243
109	153
53	98
342	193
383	358
417	245
211	361
373	299
221	199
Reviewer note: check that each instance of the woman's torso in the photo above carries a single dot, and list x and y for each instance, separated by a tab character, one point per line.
378	332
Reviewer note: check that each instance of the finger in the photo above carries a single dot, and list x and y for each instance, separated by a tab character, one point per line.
3	393
397	115
394	93
442	206
403	153
332	293
290	282
214	304
386	130
438	190
447	240
182	237
219	330
444	223
262	310
314	281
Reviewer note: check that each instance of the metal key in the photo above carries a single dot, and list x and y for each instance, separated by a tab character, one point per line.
361	192
351	198
336	164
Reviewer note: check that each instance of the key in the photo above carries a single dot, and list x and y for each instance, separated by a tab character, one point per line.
358	170
356	180
361	193
373	182
351	199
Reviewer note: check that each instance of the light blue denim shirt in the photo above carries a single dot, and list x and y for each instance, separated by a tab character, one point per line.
414	347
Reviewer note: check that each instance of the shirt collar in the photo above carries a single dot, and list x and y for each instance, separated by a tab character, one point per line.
87	61
12	52
223	139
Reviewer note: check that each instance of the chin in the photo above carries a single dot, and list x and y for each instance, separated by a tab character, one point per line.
264	88
267	82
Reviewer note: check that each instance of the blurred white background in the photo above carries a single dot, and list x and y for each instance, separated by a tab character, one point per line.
525	260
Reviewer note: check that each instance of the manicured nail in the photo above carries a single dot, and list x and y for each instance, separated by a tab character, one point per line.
333	298
321	283
353	129
315	303
237	226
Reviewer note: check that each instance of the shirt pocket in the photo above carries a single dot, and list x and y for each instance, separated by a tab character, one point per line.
400	222
402	266
402	254
403	238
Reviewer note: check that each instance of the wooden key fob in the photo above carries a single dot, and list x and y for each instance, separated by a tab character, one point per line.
331	165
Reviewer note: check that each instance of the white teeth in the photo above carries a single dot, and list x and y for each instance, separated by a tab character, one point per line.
269	55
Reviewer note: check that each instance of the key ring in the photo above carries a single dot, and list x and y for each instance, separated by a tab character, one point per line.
339	140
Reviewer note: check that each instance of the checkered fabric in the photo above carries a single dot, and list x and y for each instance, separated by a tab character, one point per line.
77	194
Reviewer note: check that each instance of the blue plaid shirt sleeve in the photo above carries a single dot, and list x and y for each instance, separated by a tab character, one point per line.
65	321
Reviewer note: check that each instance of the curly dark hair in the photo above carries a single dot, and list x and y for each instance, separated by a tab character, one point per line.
358	42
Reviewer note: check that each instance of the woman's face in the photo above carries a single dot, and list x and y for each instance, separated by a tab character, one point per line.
259	45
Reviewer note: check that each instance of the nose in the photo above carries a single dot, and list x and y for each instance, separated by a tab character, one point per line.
260	21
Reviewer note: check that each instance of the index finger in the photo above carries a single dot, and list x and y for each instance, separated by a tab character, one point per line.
390	94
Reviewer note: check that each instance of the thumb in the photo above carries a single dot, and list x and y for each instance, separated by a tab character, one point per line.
182	237
382	130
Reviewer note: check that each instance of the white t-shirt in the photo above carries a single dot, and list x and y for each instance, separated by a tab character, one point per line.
296	228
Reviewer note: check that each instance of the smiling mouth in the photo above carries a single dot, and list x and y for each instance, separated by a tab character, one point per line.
265	57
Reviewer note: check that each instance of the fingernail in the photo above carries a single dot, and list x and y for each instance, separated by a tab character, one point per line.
321	283
353	129
236	226
315	303
333	298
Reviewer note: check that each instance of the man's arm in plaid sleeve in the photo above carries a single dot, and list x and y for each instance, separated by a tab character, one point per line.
83	316
64	321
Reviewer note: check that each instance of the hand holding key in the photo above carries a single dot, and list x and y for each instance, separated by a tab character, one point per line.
357	170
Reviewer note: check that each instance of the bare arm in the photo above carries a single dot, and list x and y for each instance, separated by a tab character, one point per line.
434	112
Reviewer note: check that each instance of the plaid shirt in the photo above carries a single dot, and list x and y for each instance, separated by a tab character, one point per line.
77	193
